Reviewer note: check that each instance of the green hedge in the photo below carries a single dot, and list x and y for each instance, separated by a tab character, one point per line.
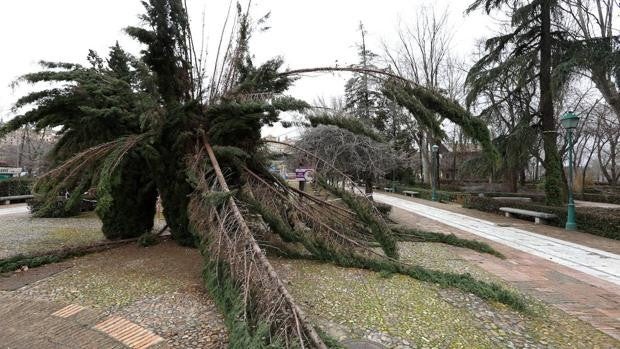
534	196
15	186
427	194
606	198
596	221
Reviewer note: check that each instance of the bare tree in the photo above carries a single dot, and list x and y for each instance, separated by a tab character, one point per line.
422	55
356	155
26	148
593	21
608	149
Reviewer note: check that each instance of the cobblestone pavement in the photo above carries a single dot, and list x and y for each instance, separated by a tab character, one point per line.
157	289
584	296
20	233
400	312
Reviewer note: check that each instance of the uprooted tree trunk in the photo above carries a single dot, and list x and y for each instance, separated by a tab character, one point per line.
235	244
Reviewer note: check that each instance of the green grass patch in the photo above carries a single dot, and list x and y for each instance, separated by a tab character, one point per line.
39	259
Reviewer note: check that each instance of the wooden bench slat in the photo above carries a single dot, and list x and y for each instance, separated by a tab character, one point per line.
16	197
528	212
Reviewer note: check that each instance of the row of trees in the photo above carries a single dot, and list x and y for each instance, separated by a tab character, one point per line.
27	148
523	80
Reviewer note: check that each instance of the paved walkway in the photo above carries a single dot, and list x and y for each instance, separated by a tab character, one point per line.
592	298
595	262
13	209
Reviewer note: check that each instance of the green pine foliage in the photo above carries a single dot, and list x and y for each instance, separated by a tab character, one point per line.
369	216
151	118
91	105
36	260
406	234
363	97
244	332
323	251
350	124
126	199
425	104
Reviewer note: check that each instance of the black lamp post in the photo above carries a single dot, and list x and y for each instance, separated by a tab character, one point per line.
570	121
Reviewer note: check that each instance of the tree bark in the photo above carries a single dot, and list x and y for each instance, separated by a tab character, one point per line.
300	316
426	160
553	163
368	185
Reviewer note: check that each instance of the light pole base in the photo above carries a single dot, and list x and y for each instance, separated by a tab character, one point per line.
571	226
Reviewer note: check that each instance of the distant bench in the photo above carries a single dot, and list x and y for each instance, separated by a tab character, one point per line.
512	198
539	217
7	199
410	193
389	190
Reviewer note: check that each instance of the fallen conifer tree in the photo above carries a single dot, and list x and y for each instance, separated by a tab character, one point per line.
199	145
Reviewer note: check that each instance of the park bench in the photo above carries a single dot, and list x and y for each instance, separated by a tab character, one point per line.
512	198
539	217
7	199
389	190
410	193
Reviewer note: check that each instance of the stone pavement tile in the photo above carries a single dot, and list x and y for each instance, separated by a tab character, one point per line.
615	313
581	238
29	323
574	292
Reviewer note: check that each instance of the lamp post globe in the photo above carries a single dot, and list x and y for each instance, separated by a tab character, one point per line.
570	121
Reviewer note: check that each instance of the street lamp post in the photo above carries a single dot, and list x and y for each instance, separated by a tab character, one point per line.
570	121
435	148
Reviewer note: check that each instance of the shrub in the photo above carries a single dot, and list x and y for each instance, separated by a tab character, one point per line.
15	186
606	198
597	221
534	196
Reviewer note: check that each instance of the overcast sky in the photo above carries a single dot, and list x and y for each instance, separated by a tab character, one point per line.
306	33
